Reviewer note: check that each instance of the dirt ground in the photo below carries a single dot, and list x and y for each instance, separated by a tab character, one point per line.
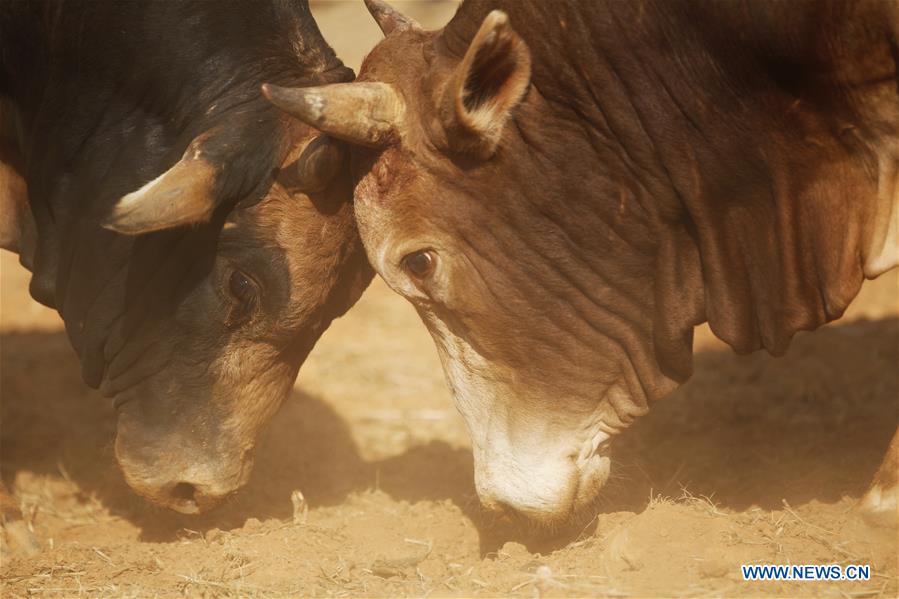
756	460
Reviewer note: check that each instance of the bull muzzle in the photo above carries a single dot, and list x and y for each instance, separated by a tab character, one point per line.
177	471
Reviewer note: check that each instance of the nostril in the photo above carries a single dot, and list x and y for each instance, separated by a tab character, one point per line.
184	492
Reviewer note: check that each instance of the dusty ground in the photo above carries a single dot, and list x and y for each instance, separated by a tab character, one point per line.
755	460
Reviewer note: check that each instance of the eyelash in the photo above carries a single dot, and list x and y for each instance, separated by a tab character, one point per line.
242	306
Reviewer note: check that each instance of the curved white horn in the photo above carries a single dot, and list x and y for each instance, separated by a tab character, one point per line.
364	113
183	195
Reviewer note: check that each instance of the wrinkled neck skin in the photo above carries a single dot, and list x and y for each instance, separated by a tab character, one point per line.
746	181
591	237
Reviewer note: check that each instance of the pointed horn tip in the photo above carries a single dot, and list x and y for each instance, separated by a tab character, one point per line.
116	228
286	95
132	216
498	17
389	19
109	224
305	104
273	92
120	218
131	223
118	222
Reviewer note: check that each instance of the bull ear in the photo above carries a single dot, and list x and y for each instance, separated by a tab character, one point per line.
491	80
183	195
319	163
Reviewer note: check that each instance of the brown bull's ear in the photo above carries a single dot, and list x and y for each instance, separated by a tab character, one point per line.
318	164
491	80
183	195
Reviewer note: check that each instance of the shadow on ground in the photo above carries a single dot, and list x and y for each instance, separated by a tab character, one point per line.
744	431
756	430
51	424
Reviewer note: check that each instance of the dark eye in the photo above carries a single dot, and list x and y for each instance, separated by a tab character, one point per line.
420	264
242	287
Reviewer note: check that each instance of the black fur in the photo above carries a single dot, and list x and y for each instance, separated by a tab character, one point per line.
108	95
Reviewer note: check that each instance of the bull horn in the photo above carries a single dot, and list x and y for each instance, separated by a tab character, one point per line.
183	195
390	19
363	113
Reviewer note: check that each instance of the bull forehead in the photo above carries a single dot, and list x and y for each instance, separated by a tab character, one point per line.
391	198
400	58
417	66
311	242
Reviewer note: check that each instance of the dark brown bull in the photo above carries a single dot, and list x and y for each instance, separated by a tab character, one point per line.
195	240
565	189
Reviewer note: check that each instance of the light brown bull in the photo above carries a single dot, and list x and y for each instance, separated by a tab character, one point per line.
565	189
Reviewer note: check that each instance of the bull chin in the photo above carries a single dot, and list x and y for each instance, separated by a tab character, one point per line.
576	505
544	491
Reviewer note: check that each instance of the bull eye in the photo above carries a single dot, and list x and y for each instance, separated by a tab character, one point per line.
242	287
420	264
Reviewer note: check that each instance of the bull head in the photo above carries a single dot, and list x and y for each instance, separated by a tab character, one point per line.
492	79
